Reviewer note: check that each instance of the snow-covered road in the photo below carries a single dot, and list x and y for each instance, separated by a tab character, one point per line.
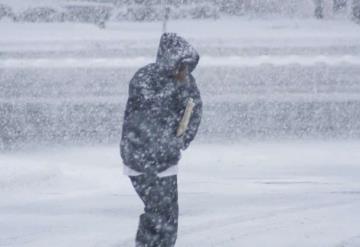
247	194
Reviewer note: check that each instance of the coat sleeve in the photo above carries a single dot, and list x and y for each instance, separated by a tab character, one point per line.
195	117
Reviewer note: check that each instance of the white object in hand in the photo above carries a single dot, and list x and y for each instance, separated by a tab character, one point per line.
186	118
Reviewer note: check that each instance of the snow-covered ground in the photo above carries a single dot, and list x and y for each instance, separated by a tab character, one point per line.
247	194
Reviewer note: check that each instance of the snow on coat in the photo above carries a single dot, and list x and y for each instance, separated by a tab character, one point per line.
155	107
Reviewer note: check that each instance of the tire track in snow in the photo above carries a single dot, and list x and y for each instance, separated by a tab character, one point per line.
228	221
351	242
278	224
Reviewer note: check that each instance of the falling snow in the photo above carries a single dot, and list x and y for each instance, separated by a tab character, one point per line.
276	158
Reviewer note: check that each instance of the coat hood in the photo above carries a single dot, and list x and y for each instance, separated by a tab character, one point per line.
174	51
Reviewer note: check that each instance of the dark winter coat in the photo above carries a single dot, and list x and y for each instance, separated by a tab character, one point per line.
155	107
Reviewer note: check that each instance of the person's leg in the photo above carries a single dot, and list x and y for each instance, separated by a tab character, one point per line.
169	210
158	224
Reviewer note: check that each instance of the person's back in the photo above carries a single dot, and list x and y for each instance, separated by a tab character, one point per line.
150	147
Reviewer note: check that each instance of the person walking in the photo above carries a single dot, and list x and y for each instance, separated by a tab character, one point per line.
162	117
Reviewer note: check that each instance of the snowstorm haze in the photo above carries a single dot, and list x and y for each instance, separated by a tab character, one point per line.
276	158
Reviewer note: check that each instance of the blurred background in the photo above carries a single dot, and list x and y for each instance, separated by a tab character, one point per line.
102	11
270	69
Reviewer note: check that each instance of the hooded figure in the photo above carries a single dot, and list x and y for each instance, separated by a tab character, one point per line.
155	107
150	148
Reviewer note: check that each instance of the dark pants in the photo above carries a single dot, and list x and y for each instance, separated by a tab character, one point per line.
159	223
